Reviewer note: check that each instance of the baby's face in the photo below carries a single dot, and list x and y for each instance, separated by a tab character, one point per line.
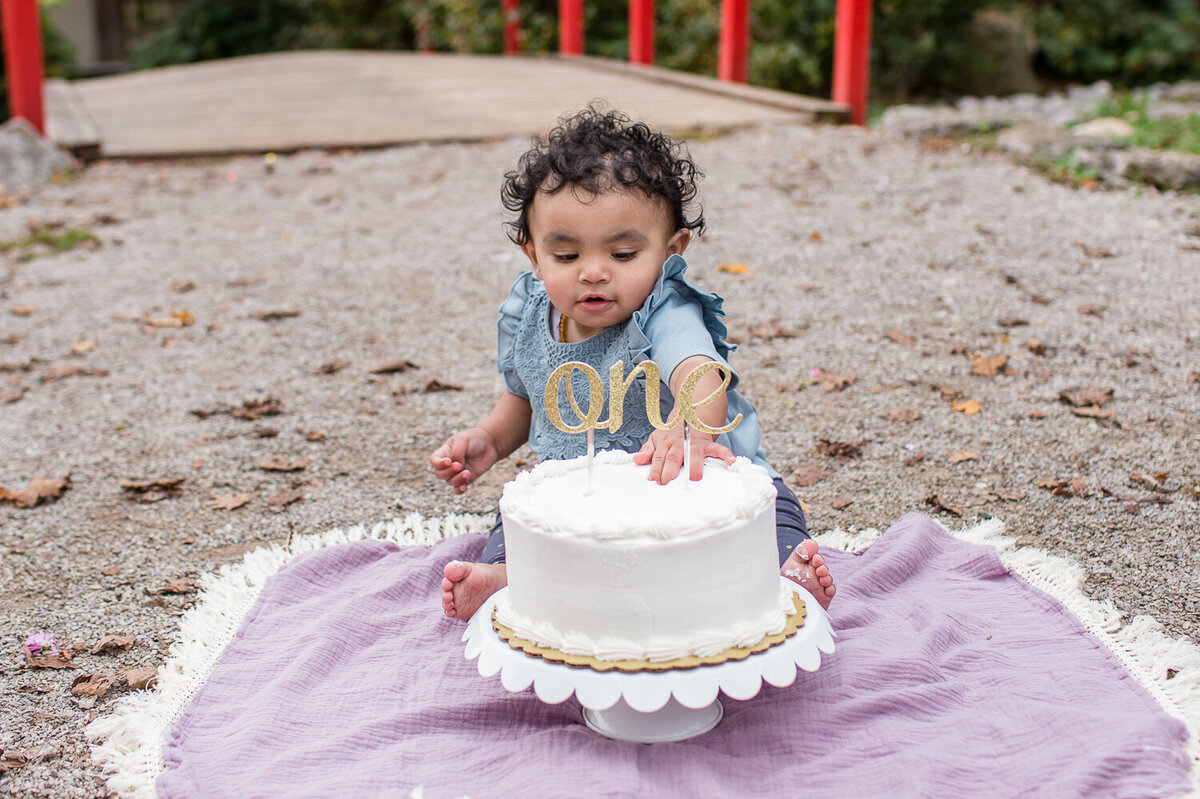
599	255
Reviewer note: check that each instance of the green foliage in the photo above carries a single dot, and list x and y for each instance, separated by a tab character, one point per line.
1180	133
46	241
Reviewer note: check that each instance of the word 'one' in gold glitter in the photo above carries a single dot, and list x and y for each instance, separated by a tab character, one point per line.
619	384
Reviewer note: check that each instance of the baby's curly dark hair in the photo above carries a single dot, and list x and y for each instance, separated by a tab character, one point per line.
599	150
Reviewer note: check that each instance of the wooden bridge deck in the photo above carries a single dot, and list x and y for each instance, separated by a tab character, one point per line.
289	101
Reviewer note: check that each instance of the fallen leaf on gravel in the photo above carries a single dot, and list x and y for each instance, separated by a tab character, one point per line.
245	282
1150	480
787	385
987	365
902	413
1007	497
1038	414
35	689
265	432
10	366
1194	378
271	316
58	660
1094	252
111	644
228	501
937	503
392	367
20	310
438	385
1012	321
84	347
285	498
962	455
969	407
1036	346
111	571
15	758
1088	309
141	679
179	317
253	409
64	371
332	367
181	286
152	490
96	685
809	287
947	392
770	330
809	475
833	381
1133	509
1087	395
11	397
280	463
915	458
314	435
176	585
1094	412
39	489
1074	487
839	449
735	269
841	503
903	339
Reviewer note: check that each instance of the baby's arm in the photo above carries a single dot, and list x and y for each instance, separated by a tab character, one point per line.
664	449
469	453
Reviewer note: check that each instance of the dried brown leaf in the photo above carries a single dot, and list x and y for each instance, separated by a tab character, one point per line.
111	644
152	490
1095	252
111	571
1072	487
1092	309
770	330
841	503
1086	395
903	413
915	458
141	679
939	504
228	501
809	475
286	497
735	269
1009	497
1094	412
1150	480
21	310
834	381
281	463
63	371
39	489
987	365
438	385
969	407
1036	346
15	758
265	432
84	347
96	685
176	585
839	449
332	367
62	660
903	339
947	392
181	286
393	367
271	316
962	455
1012	321
314	435
253	409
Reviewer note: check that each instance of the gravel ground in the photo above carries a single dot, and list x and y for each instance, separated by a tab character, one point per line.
848	235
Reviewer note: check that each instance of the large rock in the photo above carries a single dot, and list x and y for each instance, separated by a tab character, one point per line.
1163	168
26	159
1103	129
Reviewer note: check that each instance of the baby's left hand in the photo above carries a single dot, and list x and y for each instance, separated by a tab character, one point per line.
664	452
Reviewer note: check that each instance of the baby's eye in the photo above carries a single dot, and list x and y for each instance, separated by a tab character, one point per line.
625	256
565	257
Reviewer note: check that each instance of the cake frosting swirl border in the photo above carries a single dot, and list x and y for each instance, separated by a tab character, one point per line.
792	624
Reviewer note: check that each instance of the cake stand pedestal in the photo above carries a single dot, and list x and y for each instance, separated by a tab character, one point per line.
650	706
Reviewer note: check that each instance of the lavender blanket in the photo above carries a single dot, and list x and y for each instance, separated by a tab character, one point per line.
951	678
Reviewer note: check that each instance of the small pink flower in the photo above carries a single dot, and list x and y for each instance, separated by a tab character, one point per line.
41	643
816	372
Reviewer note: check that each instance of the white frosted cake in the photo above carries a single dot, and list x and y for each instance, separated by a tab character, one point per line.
638	571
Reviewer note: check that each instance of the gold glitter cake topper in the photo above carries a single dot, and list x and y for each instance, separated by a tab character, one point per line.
619	385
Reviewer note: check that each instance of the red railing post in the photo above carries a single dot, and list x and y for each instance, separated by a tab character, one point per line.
512	26
641	31
852	57
23	60
570	27
734	47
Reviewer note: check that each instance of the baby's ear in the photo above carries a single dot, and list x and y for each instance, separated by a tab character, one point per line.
531	254
679	242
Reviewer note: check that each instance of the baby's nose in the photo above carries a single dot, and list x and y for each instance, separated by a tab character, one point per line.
593	270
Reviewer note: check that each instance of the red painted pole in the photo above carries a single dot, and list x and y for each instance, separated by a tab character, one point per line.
734	47
852	57
23	60
570	27
512	27
641	31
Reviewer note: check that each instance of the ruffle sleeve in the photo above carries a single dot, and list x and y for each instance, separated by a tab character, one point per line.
674	309
512	311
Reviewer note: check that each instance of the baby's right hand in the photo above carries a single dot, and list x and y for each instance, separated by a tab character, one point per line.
463	457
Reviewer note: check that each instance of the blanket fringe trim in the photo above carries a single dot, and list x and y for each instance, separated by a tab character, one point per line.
1168	668
129	742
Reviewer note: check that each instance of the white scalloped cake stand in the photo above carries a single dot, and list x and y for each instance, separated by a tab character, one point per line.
650	707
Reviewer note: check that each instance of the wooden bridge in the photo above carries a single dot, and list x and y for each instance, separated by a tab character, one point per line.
289	101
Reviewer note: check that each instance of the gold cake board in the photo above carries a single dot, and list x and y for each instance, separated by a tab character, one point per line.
794	622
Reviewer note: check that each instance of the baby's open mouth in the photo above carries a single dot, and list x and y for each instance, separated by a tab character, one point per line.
594	303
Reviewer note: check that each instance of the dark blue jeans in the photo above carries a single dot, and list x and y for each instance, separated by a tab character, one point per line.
790	527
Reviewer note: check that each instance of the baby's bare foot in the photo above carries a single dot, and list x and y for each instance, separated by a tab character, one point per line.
467	585
808	569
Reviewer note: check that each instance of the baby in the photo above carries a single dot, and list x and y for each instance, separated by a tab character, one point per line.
604	211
